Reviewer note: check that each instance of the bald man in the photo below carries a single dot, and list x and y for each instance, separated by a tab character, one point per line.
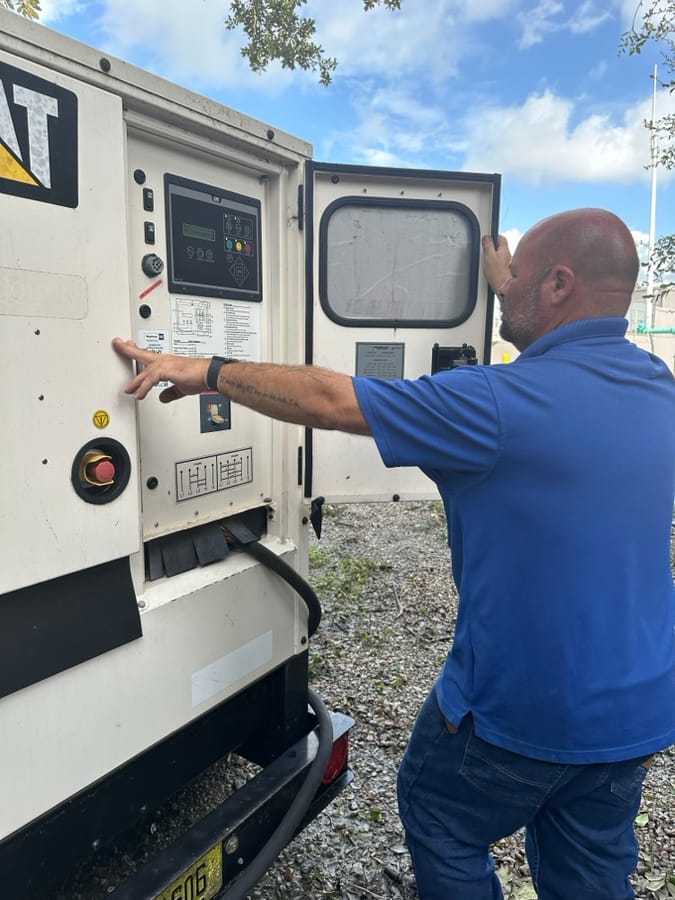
558	475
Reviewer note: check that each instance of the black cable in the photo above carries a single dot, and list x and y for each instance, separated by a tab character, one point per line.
293	816
264	555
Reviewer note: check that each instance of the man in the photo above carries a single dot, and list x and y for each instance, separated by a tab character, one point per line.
558	476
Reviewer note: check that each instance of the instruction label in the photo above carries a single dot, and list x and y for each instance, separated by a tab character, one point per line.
375	360
204	327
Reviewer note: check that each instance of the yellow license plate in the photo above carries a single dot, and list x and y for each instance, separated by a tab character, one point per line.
201	881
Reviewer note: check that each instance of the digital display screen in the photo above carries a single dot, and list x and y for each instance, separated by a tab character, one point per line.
214	241
199	232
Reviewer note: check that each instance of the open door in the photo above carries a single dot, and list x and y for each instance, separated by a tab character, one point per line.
395	289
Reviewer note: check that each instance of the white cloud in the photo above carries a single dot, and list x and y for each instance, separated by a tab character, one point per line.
537	22
53	10
538	141
421	38
185	42
587	17
188	41
544	18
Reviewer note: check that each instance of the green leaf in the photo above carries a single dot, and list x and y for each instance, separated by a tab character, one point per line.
642	820
276	31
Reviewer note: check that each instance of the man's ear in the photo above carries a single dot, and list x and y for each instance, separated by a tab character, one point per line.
562	282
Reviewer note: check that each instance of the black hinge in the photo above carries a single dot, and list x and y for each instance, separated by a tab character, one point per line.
301	207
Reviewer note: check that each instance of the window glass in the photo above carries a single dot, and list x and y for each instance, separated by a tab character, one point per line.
406	262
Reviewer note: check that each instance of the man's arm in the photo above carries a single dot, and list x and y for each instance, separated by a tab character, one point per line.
496	261
303	395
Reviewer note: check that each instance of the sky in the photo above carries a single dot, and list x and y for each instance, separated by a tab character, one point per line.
536	90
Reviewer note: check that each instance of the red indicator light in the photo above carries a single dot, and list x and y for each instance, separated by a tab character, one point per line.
247	248
337	762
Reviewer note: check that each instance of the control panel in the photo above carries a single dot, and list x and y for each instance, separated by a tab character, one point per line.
213	240
197	290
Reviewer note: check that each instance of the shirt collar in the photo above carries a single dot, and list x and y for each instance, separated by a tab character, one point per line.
578	330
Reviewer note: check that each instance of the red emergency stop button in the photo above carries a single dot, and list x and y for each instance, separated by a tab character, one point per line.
98	469
102	472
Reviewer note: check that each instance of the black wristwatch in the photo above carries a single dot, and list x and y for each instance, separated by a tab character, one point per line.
216	364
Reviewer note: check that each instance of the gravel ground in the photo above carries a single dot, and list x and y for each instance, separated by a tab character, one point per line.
383	576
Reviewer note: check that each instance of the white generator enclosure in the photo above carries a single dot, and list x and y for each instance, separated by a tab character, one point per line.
128	608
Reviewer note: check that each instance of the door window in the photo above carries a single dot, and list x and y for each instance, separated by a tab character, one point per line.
397	262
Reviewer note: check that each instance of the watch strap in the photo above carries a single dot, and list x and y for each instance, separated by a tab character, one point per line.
216	364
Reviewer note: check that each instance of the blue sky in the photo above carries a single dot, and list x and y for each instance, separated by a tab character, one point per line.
534	89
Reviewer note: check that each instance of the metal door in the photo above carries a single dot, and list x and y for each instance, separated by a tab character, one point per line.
395	289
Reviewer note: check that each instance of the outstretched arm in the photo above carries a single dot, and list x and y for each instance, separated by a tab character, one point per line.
303	395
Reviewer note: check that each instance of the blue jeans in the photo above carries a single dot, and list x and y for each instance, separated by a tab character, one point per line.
458	794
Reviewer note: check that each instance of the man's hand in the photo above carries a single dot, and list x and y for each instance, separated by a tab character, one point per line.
186	374
496	261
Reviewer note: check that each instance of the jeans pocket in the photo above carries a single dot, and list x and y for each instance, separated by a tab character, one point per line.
508	776
627	784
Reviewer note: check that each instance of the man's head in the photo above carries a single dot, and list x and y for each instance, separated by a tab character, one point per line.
580	264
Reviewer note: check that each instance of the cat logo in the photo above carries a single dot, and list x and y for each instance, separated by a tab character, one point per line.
38	139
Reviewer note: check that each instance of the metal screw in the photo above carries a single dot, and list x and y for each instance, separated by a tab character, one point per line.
104	64
142	604
95	845
232	844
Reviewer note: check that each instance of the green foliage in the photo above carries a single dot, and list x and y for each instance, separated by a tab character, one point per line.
345	579
28	8
655	23
276	30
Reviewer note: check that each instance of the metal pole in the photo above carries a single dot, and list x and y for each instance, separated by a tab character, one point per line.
649	309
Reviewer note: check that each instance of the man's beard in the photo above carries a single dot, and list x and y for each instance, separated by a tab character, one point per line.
521	330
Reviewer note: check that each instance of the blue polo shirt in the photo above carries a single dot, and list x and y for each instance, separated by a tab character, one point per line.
557	472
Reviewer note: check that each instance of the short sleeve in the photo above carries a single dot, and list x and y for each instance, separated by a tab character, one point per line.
446	424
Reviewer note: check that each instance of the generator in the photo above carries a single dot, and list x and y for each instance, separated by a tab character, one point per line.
155	613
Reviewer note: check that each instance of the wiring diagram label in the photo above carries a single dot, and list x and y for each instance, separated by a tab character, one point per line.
209	474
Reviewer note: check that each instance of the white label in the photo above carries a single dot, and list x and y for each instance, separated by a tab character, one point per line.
204	327
231	668
158	342
208	474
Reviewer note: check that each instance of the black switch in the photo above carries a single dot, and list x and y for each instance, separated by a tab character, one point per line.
149	232
148	199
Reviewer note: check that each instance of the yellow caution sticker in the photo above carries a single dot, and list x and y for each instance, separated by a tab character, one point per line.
101	418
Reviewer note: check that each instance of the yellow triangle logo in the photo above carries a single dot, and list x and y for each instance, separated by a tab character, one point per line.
12	169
